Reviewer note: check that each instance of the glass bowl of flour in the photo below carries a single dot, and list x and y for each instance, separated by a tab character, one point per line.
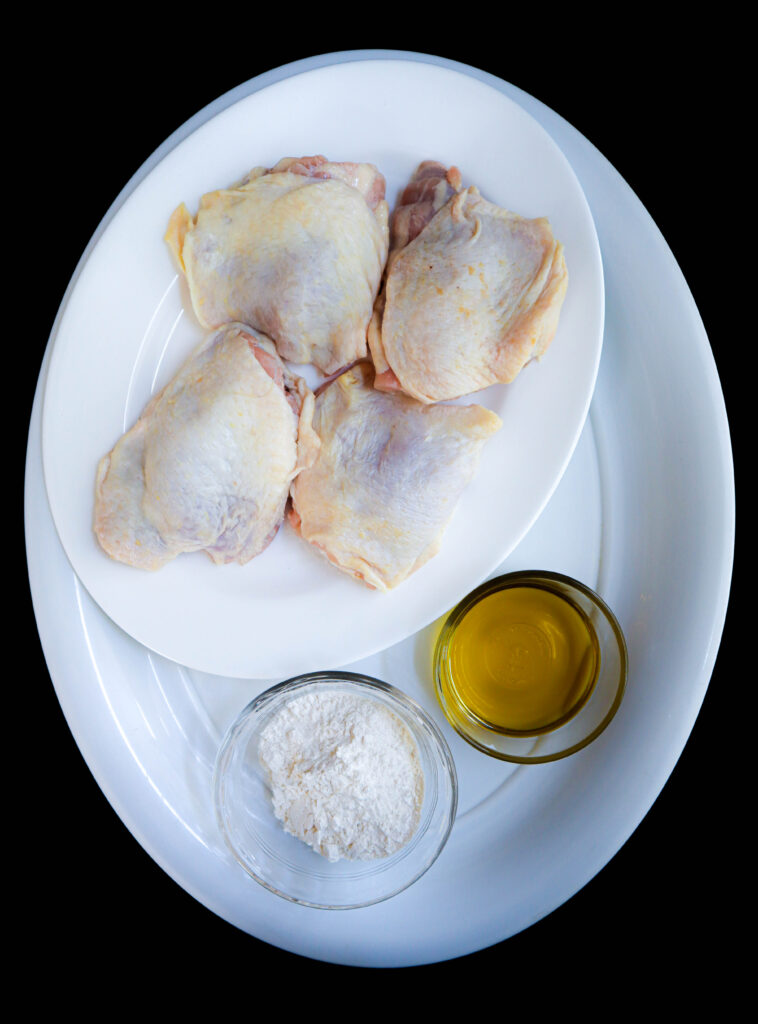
335	790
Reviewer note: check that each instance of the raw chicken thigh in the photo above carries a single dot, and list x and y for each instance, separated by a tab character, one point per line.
471	293
209	463
387	478
296	251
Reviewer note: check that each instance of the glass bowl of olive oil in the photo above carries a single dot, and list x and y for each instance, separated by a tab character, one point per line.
530	667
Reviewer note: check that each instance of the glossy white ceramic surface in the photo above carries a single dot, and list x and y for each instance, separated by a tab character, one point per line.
236	620
644	514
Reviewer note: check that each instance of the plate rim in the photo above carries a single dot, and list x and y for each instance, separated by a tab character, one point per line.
242	664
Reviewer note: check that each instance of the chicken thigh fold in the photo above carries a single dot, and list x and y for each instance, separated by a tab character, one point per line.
472	292
387	478
296	251
209	463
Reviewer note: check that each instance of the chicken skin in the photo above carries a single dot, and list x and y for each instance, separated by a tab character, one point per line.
387	478
471	293
209	463
296	251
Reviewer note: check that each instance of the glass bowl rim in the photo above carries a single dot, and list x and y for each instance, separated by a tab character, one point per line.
410	710
502	582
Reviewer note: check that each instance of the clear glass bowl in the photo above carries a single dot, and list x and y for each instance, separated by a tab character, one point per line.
285	864
568	735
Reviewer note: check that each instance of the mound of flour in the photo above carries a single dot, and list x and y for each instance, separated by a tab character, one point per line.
344	774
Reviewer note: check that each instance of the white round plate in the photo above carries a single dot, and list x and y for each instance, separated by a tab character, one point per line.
126	328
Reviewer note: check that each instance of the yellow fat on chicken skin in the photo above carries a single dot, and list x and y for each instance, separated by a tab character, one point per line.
208	465
387	477
296	251
471	294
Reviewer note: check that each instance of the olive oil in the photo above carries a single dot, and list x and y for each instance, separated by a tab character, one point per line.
522	660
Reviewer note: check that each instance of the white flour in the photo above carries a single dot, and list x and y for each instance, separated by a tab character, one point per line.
344	774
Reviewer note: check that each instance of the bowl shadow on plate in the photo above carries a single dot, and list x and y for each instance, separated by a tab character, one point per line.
481	779
423	655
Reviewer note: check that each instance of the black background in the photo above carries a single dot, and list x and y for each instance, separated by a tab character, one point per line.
94	905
